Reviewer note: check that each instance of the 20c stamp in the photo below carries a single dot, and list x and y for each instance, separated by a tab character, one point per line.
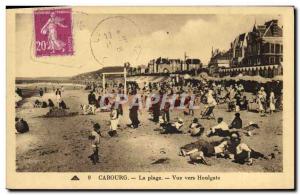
53	32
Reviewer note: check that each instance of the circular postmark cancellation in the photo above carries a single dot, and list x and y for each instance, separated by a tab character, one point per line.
115	41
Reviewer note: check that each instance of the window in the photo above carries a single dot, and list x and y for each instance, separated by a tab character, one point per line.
266	48
272	48
277	48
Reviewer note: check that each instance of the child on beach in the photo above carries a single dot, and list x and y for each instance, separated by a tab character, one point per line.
114	122
95	141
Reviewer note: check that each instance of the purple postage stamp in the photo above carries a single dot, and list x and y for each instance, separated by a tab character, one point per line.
53	32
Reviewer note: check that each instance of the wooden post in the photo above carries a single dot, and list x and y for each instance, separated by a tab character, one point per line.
103	82
125	85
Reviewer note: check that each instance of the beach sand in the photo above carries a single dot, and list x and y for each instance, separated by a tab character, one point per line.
62	145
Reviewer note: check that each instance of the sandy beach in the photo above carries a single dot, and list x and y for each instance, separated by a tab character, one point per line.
62	145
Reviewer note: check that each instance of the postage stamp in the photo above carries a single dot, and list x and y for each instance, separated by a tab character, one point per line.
53	32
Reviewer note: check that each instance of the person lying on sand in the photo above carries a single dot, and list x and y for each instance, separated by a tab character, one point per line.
199	150
250	128
172	128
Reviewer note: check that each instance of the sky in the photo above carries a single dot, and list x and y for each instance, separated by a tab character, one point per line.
110	40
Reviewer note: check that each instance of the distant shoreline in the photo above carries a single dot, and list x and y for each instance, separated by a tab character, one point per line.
20	80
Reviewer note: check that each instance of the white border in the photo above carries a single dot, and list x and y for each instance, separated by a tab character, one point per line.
3	3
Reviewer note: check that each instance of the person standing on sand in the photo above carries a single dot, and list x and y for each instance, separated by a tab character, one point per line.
133	115
166	112
156	107
58	96
41	92
114	121
92	98
262	96
272	102
95	141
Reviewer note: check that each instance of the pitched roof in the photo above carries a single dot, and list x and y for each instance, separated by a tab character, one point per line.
272	29
193	61
162	61
269	29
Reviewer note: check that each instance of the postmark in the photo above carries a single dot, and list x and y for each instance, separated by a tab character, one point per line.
53	32
115	41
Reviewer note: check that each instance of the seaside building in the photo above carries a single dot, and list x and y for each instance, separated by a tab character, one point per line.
219	60
238	47
193	64
166	65
258	52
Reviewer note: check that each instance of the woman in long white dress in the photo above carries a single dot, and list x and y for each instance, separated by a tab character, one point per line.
272	102
261	101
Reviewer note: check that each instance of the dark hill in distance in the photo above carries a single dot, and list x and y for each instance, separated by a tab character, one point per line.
97	74
93	75
41	79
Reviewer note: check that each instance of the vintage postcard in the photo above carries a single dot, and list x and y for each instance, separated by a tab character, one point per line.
150	98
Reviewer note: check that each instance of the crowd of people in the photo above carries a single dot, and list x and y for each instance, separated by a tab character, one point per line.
159	99
186	95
